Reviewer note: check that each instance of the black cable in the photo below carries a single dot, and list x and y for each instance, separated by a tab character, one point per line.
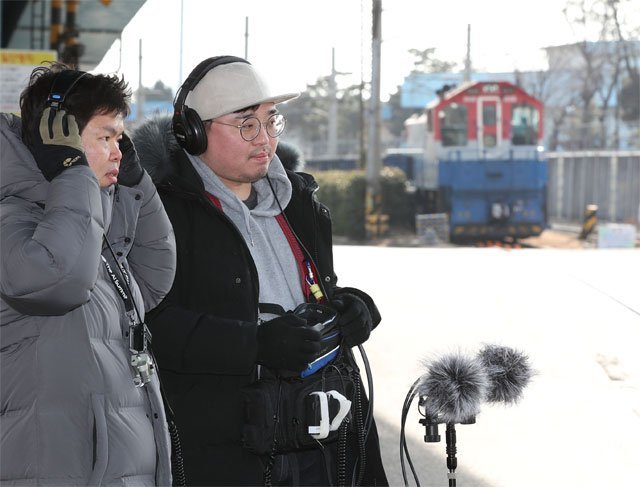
367	370
274	444
177	461
342	453
360	432
368	421
403	441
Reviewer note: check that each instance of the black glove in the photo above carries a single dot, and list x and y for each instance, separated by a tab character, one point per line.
58	145
131	171
287	343
354	319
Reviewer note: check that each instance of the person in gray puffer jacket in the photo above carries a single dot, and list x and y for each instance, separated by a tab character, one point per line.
74	198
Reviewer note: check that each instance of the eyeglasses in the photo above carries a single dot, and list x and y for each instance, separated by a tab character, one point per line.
250	128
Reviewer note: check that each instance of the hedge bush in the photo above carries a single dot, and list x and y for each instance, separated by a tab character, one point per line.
344	192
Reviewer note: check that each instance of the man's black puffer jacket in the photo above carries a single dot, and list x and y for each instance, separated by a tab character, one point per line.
204	332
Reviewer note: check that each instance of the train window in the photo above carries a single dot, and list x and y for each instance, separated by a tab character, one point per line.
524	125
488	114
453	125
491	88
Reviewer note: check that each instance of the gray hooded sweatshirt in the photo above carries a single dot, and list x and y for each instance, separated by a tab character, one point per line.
280	281
70	413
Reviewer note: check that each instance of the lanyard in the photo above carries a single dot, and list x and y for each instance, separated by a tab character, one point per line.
139	334
306	266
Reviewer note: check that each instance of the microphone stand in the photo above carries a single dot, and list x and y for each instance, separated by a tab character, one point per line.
432	436
452	461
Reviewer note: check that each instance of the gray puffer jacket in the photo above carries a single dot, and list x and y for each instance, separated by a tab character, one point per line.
70	413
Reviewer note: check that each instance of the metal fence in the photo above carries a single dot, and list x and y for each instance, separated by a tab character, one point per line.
609	179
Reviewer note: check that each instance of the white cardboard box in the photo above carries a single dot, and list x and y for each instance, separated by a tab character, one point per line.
616	236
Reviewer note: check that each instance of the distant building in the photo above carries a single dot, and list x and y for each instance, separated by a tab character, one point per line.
590	68
154	101
419	89
609	124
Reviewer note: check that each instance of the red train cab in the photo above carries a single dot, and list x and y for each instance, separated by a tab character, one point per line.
479	119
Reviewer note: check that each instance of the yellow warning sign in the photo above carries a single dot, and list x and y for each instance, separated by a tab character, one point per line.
15	68
31	58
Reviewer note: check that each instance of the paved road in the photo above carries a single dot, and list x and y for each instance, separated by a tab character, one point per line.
576	313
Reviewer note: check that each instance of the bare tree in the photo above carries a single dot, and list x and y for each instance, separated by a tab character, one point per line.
606	91
607	71
629	93
425	61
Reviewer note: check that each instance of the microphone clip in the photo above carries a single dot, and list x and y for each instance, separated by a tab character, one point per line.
431	423
431	426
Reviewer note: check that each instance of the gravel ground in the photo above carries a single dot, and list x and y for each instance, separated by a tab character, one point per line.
561	237
556	239
548	239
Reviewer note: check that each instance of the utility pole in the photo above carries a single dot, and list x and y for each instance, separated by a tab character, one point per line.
140	100
246	38
181	39
332	135
467	59
376	223
332	122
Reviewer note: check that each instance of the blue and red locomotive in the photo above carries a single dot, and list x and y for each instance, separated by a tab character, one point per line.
475	153
480	160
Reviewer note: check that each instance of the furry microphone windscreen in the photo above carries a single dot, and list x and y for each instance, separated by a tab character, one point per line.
453	388
508	371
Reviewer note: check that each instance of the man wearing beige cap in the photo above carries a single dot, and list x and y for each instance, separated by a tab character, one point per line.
235	337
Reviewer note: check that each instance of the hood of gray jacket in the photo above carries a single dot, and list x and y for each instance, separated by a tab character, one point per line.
19	173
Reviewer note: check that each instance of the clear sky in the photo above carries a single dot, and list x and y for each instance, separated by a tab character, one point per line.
292	40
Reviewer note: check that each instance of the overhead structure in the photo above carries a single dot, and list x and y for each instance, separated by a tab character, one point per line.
81	32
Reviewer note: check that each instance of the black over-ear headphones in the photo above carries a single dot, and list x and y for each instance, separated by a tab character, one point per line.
187	125
62	86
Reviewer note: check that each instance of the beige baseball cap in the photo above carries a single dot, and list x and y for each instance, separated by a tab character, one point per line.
230	87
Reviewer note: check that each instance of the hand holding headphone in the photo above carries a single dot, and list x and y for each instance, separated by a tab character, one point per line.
131	171
58	145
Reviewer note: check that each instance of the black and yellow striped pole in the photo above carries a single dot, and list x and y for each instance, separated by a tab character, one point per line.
72	48
376	223
590	221
56	25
